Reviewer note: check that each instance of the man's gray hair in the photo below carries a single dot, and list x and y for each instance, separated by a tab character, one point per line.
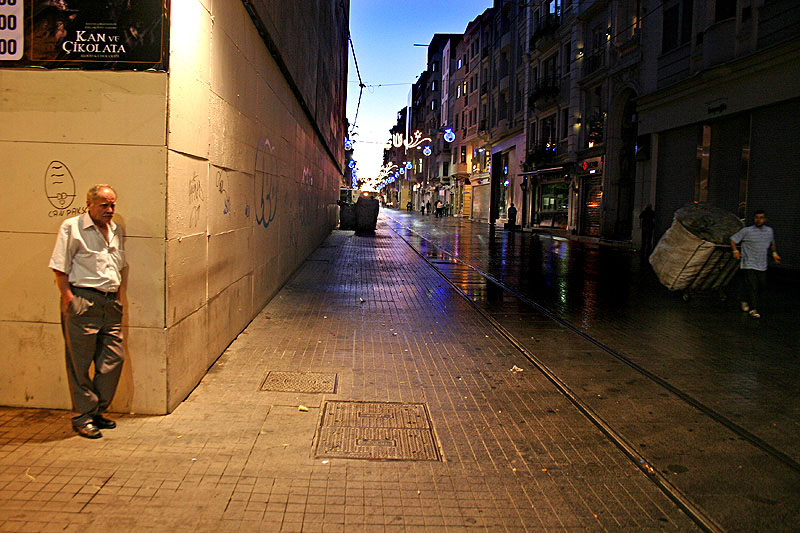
92	193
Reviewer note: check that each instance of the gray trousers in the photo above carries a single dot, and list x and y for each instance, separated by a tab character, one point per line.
92	327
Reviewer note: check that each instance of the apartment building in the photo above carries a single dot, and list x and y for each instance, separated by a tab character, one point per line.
717	117
582	112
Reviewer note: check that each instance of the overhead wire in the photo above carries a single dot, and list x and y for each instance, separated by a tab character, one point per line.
360	81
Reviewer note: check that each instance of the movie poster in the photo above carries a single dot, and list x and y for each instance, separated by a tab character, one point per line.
84	34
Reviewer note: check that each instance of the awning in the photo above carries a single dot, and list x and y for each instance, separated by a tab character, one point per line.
549	170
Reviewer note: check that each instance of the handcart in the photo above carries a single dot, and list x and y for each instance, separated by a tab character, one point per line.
694	254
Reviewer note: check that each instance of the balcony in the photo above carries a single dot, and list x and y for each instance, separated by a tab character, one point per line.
594	61
542	154
545	34
545	92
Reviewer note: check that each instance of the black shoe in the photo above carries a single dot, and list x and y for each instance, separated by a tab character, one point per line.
87	430
103	422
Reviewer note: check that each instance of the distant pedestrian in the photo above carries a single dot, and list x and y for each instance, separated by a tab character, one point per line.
408	206
439	207
647	220
422	208
428	207
512	217
88	260
755	242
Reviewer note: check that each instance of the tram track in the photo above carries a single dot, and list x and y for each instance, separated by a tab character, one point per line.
682	500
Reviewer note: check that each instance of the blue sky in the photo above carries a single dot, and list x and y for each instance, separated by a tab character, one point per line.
384	34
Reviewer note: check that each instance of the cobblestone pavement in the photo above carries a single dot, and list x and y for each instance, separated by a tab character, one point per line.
709	396
511	452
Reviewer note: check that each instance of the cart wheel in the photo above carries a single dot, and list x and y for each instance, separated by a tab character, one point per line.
686	296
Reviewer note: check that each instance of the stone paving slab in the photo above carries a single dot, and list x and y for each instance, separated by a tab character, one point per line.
516	455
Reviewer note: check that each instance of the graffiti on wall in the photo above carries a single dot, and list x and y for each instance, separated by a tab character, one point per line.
195	199
265	184
306	197
59	187
226	199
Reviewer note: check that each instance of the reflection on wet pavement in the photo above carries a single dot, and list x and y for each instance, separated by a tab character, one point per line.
612	295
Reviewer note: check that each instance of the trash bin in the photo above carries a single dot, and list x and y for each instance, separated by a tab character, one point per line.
366	214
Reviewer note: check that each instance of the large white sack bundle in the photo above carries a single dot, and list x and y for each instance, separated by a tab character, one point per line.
679	256
687	246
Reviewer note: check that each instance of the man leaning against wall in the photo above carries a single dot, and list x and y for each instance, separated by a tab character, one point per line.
88	260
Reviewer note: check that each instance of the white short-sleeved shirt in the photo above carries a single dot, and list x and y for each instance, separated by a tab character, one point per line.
81	252
754	244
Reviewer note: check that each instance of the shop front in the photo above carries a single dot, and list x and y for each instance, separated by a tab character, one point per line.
590	179
481	197
547	192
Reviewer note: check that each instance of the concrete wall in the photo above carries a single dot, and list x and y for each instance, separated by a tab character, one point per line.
100	127
224	187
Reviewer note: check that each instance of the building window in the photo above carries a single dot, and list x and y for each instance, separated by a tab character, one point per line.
446	168
677	25
458	63
549	131
724	9
455	154
532	135
458	91
433	85
463	154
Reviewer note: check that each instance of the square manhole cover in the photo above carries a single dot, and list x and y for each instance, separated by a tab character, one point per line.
300	382
376	430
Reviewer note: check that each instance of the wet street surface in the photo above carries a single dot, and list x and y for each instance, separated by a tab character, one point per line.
696	390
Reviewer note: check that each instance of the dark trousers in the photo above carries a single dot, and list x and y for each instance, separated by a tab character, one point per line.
647	239
92	327
755	283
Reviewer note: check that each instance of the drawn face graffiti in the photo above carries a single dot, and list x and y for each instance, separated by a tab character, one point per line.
59	185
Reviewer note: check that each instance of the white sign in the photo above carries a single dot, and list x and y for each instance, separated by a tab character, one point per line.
11	30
